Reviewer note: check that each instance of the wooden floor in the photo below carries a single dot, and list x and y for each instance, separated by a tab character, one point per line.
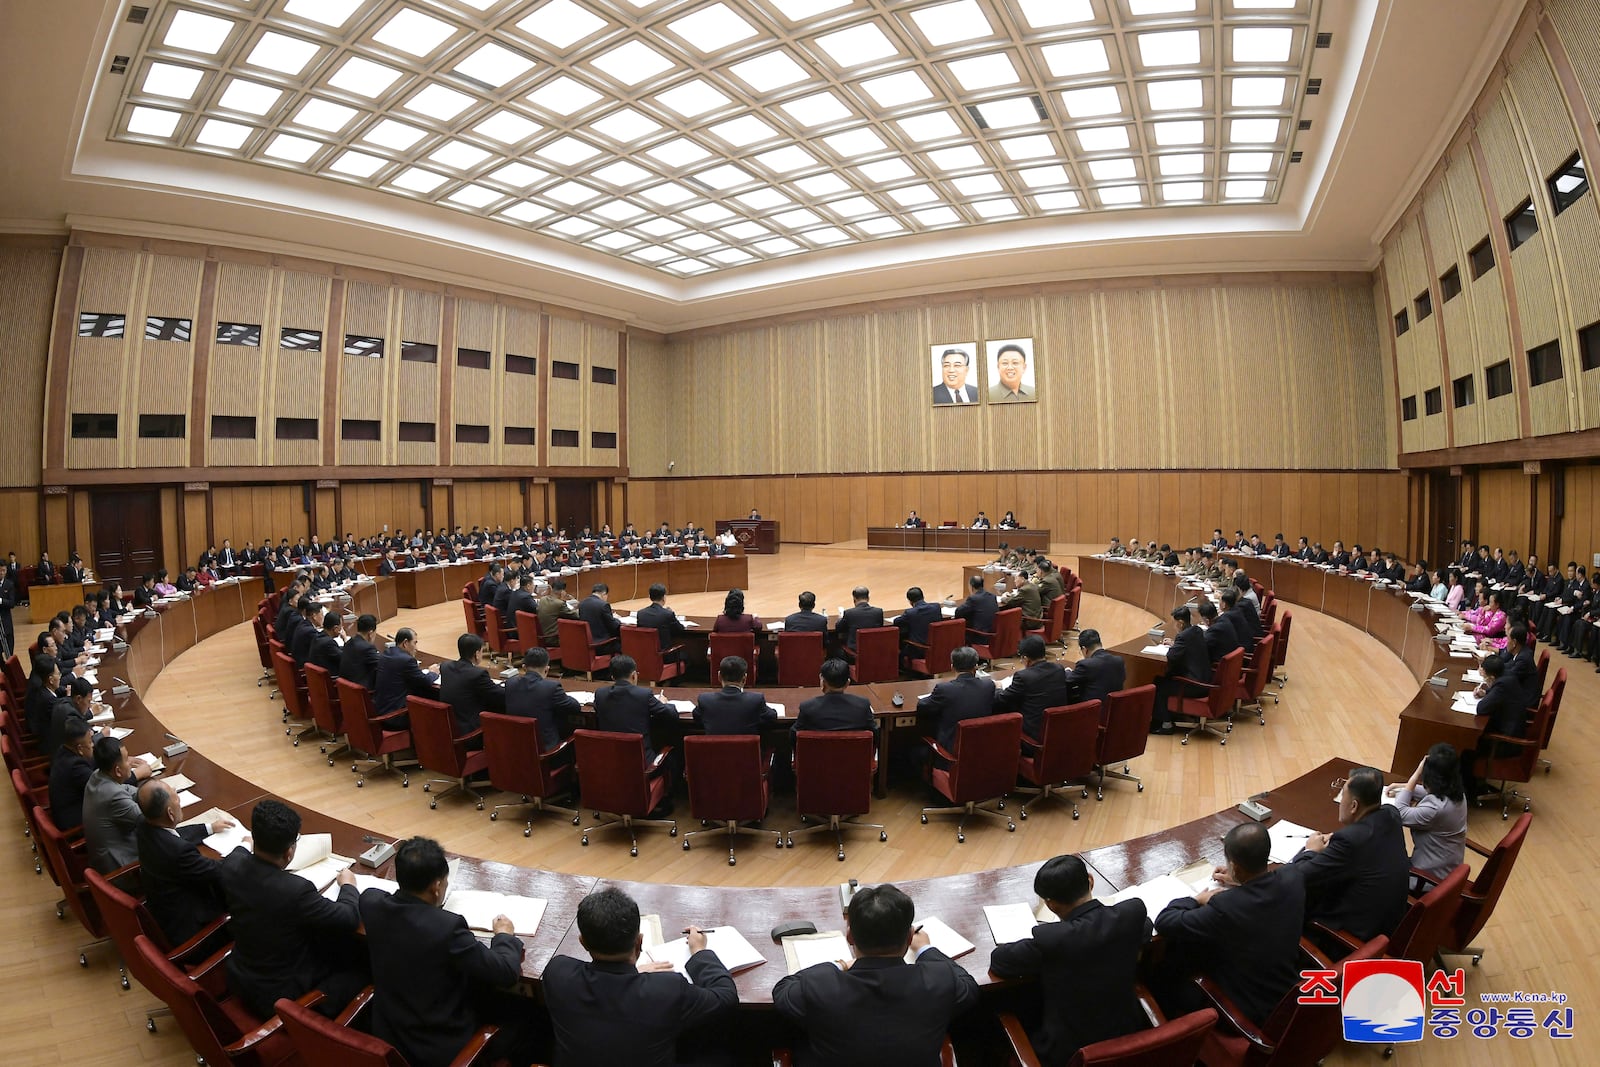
1344	693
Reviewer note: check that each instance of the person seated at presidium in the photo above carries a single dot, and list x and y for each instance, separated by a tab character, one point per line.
914	522
877	1010
1087	964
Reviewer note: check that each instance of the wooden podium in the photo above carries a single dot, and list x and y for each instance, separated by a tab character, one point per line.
758	537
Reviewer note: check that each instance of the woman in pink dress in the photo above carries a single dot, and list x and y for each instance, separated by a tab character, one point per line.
1453	598
734	619
1490	623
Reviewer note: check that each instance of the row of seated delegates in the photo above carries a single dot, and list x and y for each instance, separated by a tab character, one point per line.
1008	522
1197	646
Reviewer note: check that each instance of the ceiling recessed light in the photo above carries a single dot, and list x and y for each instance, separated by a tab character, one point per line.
796	219
621	173
507	127
1035	147
936	216
572	226
1260	5
567	151
1258	92
194	32
678	152
164	79
692	99
961	157
391	134
795	10
458	155
1044	14
827	235
494	65
857	45
1011	112
1102	138
1159	7
1111	170
1249	162
897	90
328	12
414	33
357	164
659	227
1059	201
773	70
1184	163
1176	191
994	209
1074	58
819	109
221	134
787	160
696	242
652	253
1119	195
953	23
1170	48
325	115
562	23
279	52
726	176
709	213
571	193
776	246
822	184
517	175
1262	44
887	170
617	210
984	72
712	29
934	126
742	131
363	77
732	256
1253	131
292	149
880	227
668	193
1183	94
857	142
526	211
625	125
912	195
252	98
418	180
1087	103
688	266
1244	189
563	96
614	240
632	62
978	185
763	199
1045	177
1187	132
440	103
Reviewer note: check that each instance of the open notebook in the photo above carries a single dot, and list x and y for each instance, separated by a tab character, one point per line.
224	842
479	907
733	949
315	861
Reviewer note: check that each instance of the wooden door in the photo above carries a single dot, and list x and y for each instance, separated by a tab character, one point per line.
1444	514
126	528
574	504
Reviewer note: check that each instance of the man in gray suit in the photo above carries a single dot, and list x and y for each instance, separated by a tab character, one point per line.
955	364
111	815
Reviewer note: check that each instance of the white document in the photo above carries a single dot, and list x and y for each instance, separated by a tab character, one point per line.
1155	650
480	907
104	715
178	781
1014	922
187	799
120	732
1288	838
1157	893
782	711
774	627
152	759
682	705
732	948
942	938
806	950
1474	676
582	696
315	861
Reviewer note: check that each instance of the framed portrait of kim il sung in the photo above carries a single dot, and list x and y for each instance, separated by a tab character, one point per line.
1011	371
955	378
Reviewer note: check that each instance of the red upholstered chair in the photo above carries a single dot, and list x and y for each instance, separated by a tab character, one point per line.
721	646
876	657
577	648
1294	1034
503	641
292	687
1124	732
370	738
30	798
617	785
1558	689
1002	644
1053	624
19	755
259	625
1544	667
531	635
1427	923
1069	624
1518	767
1480	896
439	750
321	1042
517	765
1253	682
1217	702
474	616
833	772
219	1028
127	919
1163	1045
800	657
1269	611
727	778
933	658
68	860
1064	754
982	770
325	710
644	645
1280	652
16	681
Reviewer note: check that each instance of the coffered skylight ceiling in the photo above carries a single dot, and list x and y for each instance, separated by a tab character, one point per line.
691	136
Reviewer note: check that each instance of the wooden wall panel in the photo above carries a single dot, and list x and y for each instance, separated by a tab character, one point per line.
1504	506
567	399
1580	521
194	530
28	276
19	527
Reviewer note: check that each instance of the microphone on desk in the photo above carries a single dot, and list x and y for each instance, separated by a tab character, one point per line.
121	688
1438	678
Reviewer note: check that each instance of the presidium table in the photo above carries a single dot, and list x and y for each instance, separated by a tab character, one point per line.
954	538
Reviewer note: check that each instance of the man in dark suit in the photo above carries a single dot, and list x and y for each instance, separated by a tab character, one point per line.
399	675
1245	936
604	626
1098	673
465	685
310	625
966	696
732	709
835	709
288	939
1356	878
1500	705
1221	637
913	622
325	651
979	609
434	981
862	616
183	889
389	565
657	1008
358	660
45	572
1039	685
522	601
1244	617
808	620
1186	659
70	769
877	1009
955	364
1520	665
77	704
532	694
1086	964
664	621
626	707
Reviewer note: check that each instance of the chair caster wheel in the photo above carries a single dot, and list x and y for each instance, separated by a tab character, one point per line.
1099	796
1023	814
1141	787
405	781
1475	960
360	782
61	909
686	846
480	805
296	743
493	815
330	761
150	1025
672	832
961	839
125	982
352	768
1185	740
779	842
634	851
576	820
1223	741
433	805
1074	814
1000	805
585	840
83	960
732	861
883	835
428	788
1011	827
841	857
924	820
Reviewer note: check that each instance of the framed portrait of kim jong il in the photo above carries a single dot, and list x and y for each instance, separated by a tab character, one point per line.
1011	371
955	379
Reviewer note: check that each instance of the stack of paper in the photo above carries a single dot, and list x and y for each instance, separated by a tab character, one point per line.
1015	922
733	950
1474	676
1157	893
682	705
187	799
1465	702
582	696
480	907
783	712
806	950
152	759
315	861
178	781
942	938
1288	838
1155	650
